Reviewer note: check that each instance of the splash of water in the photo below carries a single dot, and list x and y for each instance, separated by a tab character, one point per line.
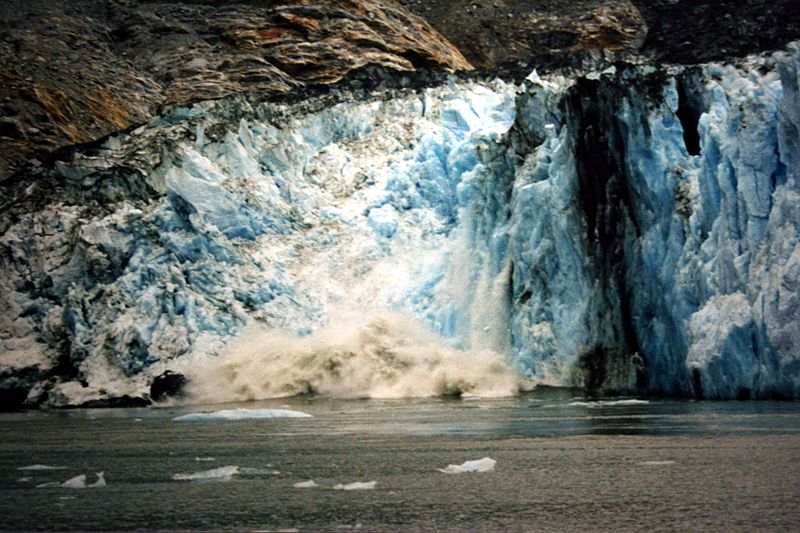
380	355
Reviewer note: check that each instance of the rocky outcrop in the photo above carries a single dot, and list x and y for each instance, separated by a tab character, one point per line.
515	36
72	73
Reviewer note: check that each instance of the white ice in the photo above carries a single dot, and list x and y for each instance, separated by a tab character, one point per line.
224	473
479	465
357	485
242	414
310	484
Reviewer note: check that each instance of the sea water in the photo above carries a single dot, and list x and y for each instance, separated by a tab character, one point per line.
560	461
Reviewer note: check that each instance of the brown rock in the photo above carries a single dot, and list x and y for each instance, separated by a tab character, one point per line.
76	72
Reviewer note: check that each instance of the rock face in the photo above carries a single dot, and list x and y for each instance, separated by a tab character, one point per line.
517	35
74	72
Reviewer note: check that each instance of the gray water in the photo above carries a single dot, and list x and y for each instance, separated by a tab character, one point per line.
561	466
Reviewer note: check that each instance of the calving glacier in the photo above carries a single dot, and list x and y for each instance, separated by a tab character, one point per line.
631	230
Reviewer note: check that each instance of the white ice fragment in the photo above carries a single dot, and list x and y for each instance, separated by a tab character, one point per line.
101	481
607	403
479	465
77	482
224	473
657	463
41	467
204	459
259	472
23	479
49	484
358	485
310	484
242	414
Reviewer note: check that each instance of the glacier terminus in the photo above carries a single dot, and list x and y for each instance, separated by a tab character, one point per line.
631	230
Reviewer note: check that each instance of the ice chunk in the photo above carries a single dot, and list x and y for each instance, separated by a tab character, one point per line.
259	472
77	482
479	465
657	463
224	473
607	403
101	481
48	485
41	467
23	480
310	484
358	485
204	459
242	414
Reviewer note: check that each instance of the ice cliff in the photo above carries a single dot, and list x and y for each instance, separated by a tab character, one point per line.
632	230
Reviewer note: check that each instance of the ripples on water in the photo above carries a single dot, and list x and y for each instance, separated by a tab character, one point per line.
563	463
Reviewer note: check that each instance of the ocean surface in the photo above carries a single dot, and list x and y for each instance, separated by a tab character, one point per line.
563	463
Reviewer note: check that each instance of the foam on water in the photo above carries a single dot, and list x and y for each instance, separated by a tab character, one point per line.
377	355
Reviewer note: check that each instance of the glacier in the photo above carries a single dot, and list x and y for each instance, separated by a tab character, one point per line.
630	230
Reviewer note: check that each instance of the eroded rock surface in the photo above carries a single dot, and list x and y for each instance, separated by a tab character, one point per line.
74	72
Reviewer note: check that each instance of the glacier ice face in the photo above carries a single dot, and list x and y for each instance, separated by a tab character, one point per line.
286	217
634	229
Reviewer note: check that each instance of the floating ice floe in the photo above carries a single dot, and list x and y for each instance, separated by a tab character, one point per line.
23	480
607	403
204	459
242	414
358	485
41	467
77	482
259	472
479	465
657	463
310	484
224	473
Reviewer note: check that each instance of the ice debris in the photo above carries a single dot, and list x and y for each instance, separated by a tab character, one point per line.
224	473
479	465
41	467
358	485
310	484
77	482
242	414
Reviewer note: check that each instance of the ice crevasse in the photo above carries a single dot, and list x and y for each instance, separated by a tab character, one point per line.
634	229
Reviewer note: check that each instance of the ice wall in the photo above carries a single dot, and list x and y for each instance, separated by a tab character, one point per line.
645	260
633	230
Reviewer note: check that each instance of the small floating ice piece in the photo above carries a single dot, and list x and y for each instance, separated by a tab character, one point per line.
223	473
101	481
77	482
23	480
479	465
358	485
49	484
310	484
608	403
259	472
657	463
41	467
204	459
242	414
